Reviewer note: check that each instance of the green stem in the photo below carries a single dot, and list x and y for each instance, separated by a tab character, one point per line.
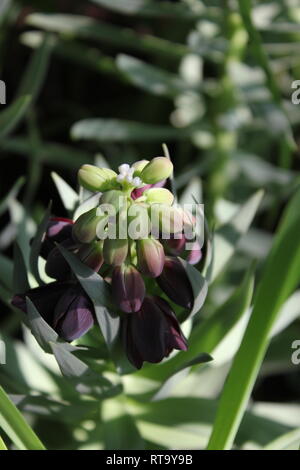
288	145
15	426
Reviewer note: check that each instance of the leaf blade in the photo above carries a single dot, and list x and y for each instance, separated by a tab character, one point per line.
13	423
286	254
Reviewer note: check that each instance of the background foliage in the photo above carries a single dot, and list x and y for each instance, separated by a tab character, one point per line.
108	81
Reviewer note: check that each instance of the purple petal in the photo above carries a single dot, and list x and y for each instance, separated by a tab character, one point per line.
73	315
44	298
128	288
148	331
175	283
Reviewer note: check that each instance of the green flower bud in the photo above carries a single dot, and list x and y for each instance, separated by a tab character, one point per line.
157	170
84	229
92	255
96	179
115	198
139	166
159	196
138	221
115	251
151	257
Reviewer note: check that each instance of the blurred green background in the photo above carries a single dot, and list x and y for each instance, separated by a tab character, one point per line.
116	79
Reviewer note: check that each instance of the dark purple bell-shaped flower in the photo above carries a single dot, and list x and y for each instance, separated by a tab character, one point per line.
56	265
58	230
175	283
44	298
152	333
65	307
73	315
128	288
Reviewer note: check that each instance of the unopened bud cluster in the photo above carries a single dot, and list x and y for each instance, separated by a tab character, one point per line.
128	260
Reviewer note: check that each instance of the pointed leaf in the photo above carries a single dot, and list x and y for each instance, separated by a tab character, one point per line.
67	194
275	287
113	130
20	279
149	8
119	428
12	194
227	237
149	78
40	329
86	381
11	116
199	286
36	245
15	425
36	71
98	291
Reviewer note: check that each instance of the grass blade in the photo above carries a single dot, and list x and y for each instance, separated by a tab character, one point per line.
114	130
286	441
86	28
10	117
149	8
227	236
36	72
281	275
2	445
15	426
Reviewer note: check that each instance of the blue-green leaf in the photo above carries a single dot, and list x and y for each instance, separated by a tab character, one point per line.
36	245
98	291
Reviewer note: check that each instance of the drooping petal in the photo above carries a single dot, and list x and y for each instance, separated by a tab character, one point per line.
128	288
58	230
152	333
129	345
148	331
44	298
56	265
73	315
175	283
174	336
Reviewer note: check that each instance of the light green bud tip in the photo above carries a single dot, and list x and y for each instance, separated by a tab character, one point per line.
115	251
157	170
85	227
139	166
159	195
115	198
96	179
